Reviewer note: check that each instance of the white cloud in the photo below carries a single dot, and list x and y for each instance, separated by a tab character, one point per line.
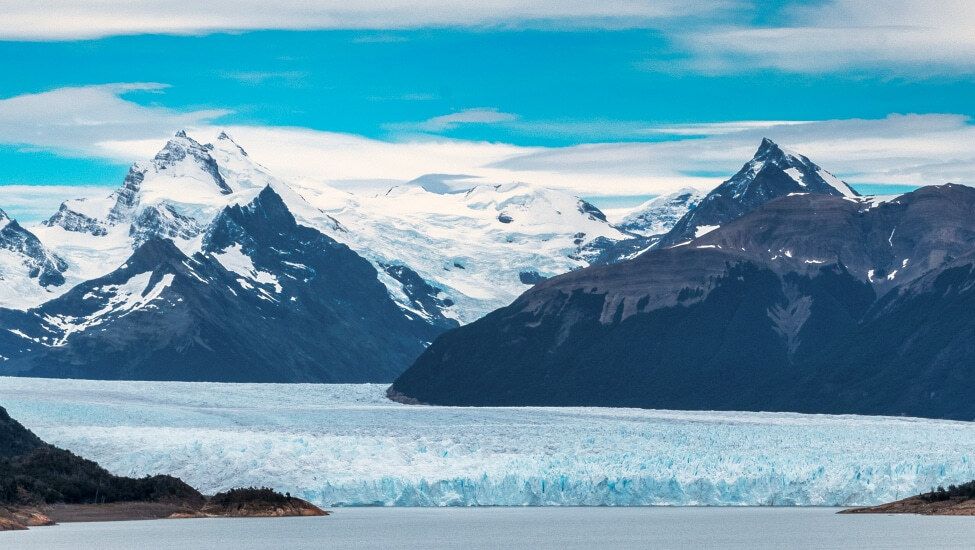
918	37
915	37
898	149
75	119
260	77
70	19
907	149
481	115
718	128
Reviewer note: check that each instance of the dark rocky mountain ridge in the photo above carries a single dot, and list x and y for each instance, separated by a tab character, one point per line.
266	300
809	303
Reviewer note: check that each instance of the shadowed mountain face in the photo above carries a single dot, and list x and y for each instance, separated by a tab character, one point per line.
811	303
15	439
266	300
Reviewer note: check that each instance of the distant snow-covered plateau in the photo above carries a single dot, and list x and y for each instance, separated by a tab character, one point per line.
347	445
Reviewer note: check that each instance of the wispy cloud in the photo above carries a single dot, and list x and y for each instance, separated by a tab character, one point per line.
452	121
75	120
719	128
897	149
30	203
291	78
904	37
73	19
907	37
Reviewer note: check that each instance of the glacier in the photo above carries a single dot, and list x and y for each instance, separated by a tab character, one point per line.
347	445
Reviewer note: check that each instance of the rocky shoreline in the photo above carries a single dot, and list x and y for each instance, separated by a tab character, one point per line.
915	505
956	500
41	484
262	503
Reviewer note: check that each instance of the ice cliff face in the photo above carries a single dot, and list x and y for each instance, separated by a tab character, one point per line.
347	445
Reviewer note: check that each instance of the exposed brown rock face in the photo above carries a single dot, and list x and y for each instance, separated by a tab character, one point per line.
20	518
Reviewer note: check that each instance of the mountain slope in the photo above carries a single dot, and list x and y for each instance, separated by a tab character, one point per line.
29	271
659	214
644	226
266	300
772	173
801	305
473	249
481	247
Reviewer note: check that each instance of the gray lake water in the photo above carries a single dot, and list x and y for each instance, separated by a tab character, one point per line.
536	528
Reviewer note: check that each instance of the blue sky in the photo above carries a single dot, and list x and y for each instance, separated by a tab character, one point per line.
602	98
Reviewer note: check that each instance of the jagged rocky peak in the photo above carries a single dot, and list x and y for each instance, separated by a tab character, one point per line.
807	175
589	209
162	221
172	196
40	263
239	224
152	253
183	147
127	196
225	138
72	220
773	172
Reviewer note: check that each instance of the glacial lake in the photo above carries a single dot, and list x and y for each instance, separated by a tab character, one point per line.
537	528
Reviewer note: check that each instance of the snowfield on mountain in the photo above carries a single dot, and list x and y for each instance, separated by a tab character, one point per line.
476	248
317	274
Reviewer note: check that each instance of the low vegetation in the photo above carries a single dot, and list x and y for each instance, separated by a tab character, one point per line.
964	491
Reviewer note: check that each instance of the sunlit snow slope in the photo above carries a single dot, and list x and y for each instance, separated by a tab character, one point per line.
347	445
441	252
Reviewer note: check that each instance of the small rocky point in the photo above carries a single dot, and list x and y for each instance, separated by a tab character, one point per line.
253	503
956	500
19	519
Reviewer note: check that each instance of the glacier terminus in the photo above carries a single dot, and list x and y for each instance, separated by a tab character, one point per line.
347	445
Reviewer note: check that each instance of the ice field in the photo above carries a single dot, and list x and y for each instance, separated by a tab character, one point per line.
347	445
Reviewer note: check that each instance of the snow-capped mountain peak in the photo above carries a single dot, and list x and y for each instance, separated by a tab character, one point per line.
773	172
807	174
477	249
224	137
440	242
